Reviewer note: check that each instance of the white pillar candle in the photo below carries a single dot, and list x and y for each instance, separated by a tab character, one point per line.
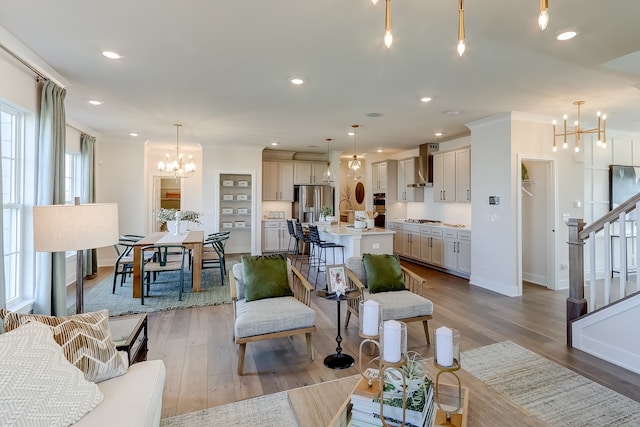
391	343
370	321
444	346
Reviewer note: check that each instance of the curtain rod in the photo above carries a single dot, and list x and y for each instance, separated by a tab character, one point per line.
38	74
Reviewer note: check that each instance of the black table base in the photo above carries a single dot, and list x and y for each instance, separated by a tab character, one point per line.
339	360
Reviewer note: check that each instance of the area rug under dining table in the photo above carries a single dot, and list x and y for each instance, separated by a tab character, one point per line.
554	394
163	296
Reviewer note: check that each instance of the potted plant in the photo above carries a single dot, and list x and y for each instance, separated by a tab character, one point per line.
173	218
326	214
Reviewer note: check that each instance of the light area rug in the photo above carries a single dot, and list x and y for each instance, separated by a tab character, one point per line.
162	296
553	393
271	410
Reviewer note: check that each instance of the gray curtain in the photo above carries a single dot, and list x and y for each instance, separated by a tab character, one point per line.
87	152
51	290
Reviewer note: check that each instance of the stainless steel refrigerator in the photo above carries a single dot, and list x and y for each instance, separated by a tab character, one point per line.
308	199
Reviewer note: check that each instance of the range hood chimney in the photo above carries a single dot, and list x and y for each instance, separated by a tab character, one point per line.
425	165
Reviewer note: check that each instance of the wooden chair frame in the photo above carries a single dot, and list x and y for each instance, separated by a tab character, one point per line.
301	291
412	281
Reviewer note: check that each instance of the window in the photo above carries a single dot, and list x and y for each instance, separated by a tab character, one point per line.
72	181
12	143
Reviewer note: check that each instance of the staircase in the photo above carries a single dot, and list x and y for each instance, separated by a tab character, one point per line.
603	323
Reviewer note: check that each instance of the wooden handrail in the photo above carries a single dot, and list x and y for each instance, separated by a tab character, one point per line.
613	215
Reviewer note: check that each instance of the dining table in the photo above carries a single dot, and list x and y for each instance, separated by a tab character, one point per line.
192	240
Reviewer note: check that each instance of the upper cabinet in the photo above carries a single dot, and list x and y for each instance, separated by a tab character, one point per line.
452	176
308	173
277	181
379	176
407	170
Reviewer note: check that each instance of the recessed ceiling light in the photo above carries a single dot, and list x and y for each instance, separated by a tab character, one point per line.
438	134
379	150
133	134
374	114
95	102
274	143
296	81
425	99
351	134
452	112
567	35
111	55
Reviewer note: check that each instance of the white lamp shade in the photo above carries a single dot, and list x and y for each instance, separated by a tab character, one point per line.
60	228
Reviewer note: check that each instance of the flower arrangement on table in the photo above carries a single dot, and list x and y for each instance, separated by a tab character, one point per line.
165	215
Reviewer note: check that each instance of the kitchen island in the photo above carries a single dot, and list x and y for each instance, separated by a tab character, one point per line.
356	241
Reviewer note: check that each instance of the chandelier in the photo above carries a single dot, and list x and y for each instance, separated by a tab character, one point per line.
355	166
327	176
601	130
177	165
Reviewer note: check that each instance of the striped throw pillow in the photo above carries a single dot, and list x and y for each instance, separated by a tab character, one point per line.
85	340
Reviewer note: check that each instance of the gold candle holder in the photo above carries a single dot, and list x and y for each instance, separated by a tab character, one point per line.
447	360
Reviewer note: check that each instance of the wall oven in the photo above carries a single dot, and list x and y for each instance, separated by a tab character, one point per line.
380	206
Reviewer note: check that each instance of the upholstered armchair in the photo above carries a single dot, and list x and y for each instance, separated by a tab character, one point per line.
271	299
405	305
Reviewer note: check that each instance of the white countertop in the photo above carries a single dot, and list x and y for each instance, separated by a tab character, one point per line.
345	230
440	225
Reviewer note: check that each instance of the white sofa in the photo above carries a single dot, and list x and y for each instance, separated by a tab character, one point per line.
132	399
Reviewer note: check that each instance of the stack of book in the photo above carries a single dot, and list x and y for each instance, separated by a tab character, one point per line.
365	401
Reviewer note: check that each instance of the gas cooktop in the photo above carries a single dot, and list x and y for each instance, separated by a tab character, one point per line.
423	221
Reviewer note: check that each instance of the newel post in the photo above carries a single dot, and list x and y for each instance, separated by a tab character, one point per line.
576	304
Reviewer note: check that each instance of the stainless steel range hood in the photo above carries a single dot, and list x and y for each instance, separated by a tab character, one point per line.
425	165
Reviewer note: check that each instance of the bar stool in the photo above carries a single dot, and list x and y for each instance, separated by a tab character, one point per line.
306	244
320	249
292	237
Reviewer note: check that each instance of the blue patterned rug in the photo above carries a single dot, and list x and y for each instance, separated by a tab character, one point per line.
162	296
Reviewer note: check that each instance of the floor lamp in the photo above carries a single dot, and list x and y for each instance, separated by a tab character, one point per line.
61	228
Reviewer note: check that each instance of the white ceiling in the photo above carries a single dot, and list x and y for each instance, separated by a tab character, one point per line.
221	68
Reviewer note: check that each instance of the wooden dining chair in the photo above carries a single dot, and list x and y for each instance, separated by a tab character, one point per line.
163	260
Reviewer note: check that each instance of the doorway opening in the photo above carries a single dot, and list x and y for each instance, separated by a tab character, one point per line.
537	215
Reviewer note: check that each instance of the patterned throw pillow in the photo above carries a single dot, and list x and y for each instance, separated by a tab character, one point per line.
38	385
85	340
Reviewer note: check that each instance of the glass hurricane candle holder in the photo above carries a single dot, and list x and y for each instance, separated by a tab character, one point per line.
393	342
447	348
370	316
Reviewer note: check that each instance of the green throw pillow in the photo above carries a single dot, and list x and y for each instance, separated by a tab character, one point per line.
383	273
265	277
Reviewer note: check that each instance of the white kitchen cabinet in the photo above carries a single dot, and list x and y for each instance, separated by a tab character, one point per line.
444	177
457	250
308	173
431	245
407	176
463	175
277	181
379	177
397	237
411	241
452	176
275	236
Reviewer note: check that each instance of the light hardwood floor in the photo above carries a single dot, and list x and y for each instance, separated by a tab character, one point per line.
201	358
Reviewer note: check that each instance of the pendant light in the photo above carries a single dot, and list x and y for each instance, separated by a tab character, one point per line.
388	37
327	176
355	166
543	18
461	46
